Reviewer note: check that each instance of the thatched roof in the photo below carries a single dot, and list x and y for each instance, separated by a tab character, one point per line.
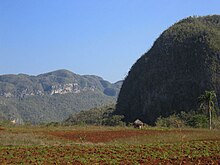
138	122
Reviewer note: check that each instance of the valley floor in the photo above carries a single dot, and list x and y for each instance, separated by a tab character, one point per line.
107	145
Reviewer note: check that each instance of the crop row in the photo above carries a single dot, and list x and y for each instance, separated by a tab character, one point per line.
206	152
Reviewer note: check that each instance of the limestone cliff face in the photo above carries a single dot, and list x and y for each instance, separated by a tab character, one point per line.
183	62
57	82
65	88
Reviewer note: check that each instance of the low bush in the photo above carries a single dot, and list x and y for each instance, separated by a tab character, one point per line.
198	121
115	120
191	119
172	121
216	123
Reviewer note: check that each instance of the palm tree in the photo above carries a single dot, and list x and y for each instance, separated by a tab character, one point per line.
207	102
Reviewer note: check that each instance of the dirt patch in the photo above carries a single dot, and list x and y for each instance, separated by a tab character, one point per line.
105	136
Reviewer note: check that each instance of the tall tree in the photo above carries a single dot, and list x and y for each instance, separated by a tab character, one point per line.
207	102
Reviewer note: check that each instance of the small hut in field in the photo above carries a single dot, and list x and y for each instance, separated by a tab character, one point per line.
138	124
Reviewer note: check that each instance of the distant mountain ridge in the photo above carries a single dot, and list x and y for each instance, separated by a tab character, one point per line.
52	96
56	82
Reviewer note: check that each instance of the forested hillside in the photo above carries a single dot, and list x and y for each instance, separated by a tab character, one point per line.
182	63
52	96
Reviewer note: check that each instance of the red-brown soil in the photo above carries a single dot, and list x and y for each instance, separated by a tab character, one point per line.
90	154
189	152
106	136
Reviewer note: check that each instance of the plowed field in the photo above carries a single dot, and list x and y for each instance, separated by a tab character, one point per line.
66	145
107	136
178	153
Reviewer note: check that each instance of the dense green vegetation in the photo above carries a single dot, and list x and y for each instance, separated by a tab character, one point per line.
182	63
53	96
190	119
96	116
43	109
105	116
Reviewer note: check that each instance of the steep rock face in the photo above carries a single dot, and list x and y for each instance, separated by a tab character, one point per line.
183	62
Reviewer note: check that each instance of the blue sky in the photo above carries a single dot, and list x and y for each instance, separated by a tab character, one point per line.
100	37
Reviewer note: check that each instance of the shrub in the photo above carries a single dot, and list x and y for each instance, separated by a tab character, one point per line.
172	121
115	120
54	124
191	119
198	121
216	123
